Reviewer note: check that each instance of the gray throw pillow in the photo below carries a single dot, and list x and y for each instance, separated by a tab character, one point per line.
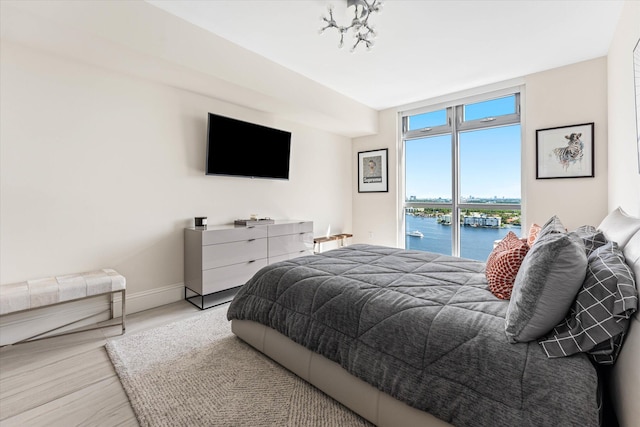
546	285
553	225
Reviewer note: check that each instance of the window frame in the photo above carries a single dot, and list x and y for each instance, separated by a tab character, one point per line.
456	124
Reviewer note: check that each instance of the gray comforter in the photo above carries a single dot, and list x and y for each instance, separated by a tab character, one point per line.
423	328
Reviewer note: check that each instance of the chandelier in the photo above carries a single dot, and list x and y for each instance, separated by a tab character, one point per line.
363	33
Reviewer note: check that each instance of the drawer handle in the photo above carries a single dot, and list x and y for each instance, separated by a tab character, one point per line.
251	240
249	262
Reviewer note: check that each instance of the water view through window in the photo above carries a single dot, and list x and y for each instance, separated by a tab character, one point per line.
462	176
430	231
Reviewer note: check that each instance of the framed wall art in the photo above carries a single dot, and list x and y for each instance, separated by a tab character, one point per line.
636	80
565	152
373	171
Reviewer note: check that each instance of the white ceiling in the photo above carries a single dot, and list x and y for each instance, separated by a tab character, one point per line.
424	48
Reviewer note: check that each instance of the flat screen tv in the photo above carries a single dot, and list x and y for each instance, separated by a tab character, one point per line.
238	148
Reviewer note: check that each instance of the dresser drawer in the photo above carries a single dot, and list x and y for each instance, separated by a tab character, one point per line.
290	244
214	256
230	276
212	237
221	258
290	228
285	257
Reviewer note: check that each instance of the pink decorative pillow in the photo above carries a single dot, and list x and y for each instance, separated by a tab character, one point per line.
533	233
503	264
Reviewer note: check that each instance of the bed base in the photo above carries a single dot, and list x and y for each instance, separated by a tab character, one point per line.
365	400
385	411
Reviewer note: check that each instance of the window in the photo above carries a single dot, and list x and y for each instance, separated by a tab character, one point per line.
427	120
462	176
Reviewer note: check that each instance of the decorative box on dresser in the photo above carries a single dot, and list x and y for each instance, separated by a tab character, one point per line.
218	260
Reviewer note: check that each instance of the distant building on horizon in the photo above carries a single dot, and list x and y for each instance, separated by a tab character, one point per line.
481	220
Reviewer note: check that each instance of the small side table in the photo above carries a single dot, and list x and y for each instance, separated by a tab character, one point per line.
318	241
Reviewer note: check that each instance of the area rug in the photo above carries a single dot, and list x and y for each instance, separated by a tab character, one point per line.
195	372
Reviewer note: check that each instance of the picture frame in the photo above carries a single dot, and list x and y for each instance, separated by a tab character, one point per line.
636	80
373	171
565	152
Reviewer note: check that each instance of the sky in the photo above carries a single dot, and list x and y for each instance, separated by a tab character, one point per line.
489	158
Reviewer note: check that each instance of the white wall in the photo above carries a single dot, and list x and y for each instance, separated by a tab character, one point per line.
137	38
376	215
102	146
563	96
102	169
624	177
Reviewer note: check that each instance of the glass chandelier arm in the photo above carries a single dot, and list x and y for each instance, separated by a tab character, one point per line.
373	6
341	43
330	21
364	39
362	31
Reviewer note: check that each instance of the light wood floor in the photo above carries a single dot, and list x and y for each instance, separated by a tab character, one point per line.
69	380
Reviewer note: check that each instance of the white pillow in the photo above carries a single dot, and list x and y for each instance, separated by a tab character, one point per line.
619	227
632	255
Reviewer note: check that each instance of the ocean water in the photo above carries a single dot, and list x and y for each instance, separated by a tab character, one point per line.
475	242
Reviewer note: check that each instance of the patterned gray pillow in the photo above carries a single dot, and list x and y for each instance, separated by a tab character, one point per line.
546	285
591	237
599	317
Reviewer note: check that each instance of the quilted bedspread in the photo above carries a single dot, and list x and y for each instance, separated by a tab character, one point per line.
423	328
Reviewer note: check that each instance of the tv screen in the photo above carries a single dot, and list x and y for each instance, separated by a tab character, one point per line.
238	148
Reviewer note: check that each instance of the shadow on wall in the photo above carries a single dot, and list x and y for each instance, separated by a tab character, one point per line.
195	130
156	263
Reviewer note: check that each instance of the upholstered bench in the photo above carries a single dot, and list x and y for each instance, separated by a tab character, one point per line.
33	294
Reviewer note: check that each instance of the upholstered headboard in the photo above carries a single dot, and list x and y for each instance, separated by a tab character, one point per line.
625	376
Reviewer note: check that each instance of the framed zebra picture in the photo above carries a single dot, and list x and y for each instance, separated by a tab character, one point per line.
565	152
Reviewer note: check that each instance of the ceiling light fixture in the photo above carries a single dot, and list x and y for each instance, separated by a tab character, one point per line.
362	31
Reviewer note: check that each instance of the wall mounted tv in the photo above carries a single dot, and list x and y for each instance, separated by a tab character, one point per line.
237	148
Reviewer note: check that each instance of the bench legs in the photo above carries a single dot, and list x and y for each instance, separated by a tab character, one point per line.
82	329
112	303
124	312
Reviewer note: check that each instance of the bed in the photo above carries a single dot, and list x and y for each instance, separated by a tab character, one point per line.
414	338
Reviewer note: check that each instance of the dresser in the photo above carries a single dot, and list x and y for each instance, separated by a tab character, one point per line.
219	259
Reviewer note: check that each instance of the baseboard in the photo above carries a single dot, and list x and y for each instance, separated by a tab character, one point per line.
19	326
146	300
